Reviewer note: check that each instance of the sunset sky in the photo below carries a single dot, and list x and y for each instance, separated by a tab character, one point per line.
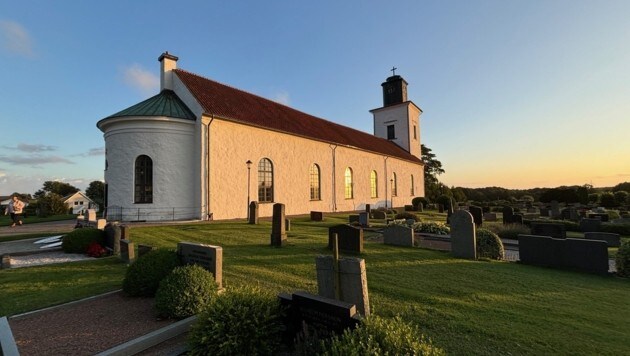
517	94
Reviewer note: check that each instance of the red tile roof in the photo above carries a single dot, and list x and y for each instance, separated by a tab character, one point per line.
234	104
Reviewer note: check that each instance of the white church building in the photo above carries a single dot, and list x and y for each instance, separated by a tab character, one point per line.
204	150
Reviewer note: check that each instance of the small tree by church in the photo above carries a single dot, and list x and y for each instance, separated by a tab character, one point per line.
96	192
432	168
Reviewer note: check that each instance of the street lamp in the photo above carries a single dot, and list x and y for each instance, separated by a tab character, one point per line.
249	169
391	187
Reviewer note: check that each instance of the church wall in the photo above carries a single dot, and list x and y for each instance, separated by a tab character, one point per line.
232	144
169	143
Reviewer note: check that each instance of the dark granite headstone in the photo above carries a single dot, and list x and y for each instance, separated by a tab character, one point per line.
253	213
602	216
112	238
368	209
364	219
544	212
477	214
590	225
613	240
508	212
278	227
127	251
349	238
548	229
378	214
420	207
322	316
207	256
317	216
440	208
565	214
486	209
517	219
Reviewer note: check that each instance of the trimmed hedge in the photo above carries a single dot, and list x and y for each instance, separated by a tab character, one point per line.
242	321
508	231
622	260
381	336
489	245
407	215
143	277
432	228
78	240
185	292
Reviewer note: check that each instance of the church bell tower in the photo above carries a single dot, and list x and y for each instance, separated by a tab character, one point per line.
398	120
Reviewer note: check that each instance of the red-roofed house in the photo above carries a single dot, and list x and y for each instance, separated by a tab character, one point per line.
203	150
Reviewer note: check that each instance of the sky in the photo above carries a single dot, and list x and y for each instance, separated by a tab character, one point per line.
516	93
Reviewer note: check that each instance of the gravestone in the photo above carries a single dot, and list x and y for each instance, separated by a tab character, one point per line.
477	214
517	219
398	235
5	263
144	249
317	216
378	214
573	214
352	281
544	212
127	251
578	254
602	216
613	240
253	213
287	224
112	238
207	256
322	316
450	209
555	209
463	235
364	219
368	209
125	232
565	214
350	238
278	227
548	229
590	225
420	207
409	208
490	216
508	212
440	208
353	219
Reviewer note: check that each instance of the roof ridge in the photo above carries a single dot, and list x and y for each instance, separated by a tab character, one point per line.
286	106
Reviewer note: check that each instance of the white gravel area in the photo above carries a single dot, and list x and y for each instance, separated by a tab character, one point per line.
46	259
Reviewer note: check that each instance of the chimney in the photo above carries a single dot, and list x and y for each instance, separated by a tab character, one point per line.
169	62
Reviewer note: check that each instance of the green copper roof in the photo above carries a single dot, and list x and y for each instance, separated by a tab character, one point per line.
164	104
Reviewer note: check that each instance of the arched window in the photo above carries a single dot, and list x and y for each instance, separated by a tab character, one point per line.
265	180
394	185
143	187
413	190
315	183
349	193
373	184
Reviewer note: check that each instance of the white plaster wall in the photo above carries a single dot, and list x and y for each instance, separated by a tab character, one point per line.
393	115
414	113
170	144
232	144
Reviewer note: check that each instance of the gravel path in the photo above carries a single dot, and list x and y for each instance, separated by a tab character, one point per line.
86	327
47	259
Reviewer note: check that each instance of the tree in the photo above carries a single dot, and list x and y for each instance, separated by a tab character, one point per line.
51	204
96	192
621	196
625	186
60	188
458	194
432	168
607	200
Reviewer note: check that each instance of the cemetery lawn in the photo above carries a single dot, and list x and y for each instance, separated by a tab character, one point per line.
465	307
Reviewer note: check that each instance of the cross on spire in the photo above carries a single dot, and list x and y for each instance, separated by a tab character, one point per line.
393	70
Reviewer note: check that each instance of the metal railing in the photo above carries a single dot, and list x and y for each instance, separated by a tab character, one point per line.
118	213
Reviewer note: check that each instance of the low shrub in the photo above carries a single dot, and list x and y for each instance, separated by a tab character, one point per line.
381	336
621	229
417	201
613	214
622	260
78	240
407	215
243	321
143	277
432	228
185	292
568	225
489	245
508	231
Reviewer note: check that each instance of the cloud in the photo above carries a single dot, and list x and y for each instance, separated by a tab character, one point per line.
92	152
15	39
282	98
141	79
34	160
25	147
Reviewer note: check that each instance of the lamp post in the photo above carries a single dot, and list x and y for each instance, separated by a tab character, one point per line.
249	169
391	187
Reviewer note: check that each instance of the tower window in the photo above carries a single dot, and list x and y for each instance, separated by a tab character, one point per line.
415	132
391	133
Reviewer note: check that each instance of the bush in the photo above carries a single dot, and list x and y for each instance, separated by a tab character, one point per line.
78	240
568	225
508	231
185	292
382	336
613	214
143	277
243	321
621	229
417	200
607	200
489	245
432	228
406	215
622	260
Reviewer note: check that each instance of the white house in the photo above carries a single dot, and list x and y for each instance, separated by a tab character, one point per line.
79	202
202	150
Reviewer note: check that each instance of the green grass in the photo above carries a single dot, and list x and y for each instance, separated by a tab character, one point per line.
466	307
5	220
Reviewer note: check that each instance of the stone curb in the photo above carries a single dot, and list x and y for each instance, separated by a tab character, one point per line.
7	342
65	304
151	339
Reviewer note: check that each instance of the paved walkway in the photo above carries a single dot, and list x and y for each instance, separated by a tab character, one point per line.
54	227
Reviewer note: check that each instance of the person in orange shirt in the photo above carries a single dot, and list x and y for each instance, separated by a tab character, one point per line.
15	208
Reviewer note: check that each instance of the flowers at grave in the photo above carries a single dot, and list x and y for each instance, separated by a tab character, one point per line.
96	250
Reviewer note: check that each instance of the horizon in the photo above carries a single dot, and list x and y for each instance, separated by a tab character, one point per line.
518	95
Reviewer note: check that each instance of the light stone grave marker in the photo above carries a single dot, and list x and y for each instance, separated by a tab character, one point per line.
463	235
398	235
